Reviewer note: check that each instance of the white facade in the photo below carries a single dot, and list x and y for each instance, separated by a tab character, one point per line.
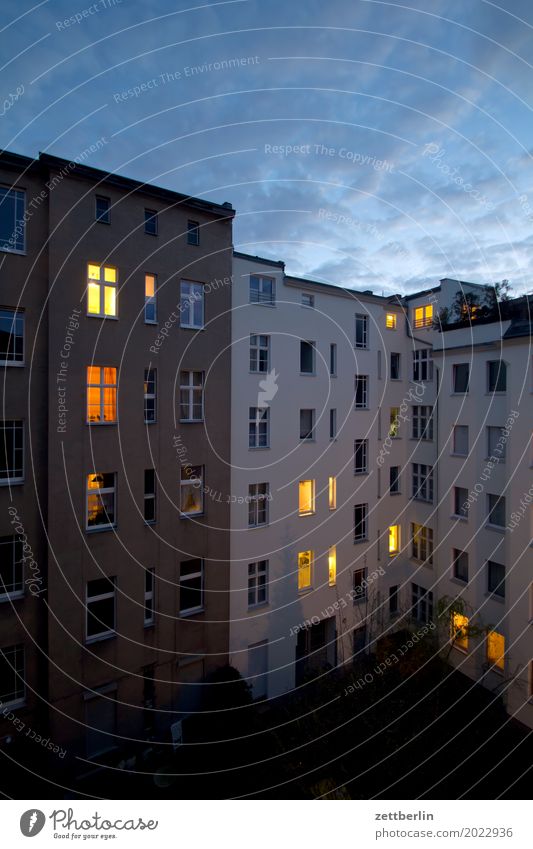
275	621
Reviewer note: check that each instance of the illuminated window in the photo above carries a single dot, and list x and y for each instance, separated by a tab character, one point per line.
460	631
332	566
102	290
101	492
150	302
150	388
424	316
394	539
305	563
390	321
191	396
101	394
332	493
394	422
192	490
496	649
306	498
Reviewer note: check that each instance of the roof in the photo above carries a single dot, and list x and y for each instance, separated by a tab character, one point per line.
277	262
521	327
71	167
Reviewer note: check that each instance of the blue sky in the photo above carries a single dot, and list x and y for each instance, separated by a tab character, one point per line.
412	123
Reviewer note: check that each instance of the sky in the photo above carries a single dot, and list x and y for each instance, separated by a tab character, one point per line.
375	145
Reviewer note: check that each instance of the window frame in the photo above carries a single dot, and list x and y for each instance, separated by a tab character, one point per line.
190	299
502	371
149	598
457	554
255	499
256	349
455	374
191	389
150	300
455	451
422	543
18	318
362	536
311	348
500	499
18	446
360	446
361	380
193	233
18	670
333	359
254	585
103	218
422	364
103	285
421	602
191	611
311	435
361	331
496	587
333	423
332	492
422	422
261	299
391	320
150	497
102	386
309	566
310	498
397	490
101	490
150	378
426	320
360	588
192	480
254	428
425	489
459	500
110	594
311	300
18	196
15	543
151	215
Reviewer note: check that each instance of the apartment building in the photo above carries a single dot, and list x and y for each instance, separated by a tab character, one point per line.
352	457
115	419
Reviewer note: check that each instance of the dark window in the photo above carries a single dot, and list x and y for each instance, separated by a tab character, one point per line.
11	336
12	683
103	206
360	522
394	479
258	496
393	600
11	451
332	423
191	586
496	376
258	427
460	565
193	233
422	422
307	424
100	608
395	366
148	697
257	583
259	352
422	365
460	501
149	597
333	359
150	222
421	603
307	357
360	456
461	373
496	510
150	388
12	224
359	584
11	566
496	578
361	330
460	440
361	392
149	495
422	482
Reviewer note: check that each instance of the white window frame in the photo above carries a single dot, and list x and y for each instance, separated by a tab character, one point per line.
101	386
255	498
106	490
150	497
149	597
421	599
308	300
422	482
260	298
362	536
459	510
361	322
361	379
189	389
426	320
422	424
362	468
102	284
150	300
422	542
189	611
17	318
193	233
111	632
422	365
260	415
188	299
259	570
196	481
150	375
256	348
17	426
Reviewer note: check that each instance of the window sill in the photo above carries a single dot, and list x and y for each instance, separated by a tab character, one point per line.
304	590
259	604
198	515
307	439
102	424
308	374
360	600
459	581
259	448
359	541
459	518
150	521
11	364
489	394
254	527
257	371
148	626
12	596
191	327
150	422
194	611
455	454
458	394
100	529
493	597
422	500
500	529
98	315
360	474
333	375
305	515
13	251
395	493
100	638
191	421
359	409
16	704
151	321
11	482
262	304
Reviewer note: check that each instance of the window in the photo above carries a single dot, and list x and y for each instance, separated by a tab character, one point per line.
360	522
359	585
421	603
149	597
394	540
148	673
306	498
361	330
12	675
393	600
150	299
193	233
461	373
11	451
333	359
424	315
360	453
11	567
258	497
149	495
422	422
460	440
496	443
422	365
332	566
496	376
257	583
101	291
422	482
305	565
150	222
100	608
102	209
258	427
101	724
262	290
191	586
308	300
422	543
307	357
361	392
394	422
150	390
101	500
192	305
101	394
394	366
460	565
332	493
496	510
11	337
496	650
191	396
12	224
496	579
332	424
191	490
307	424
459	631
460	502
394	480
259	353
390	321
